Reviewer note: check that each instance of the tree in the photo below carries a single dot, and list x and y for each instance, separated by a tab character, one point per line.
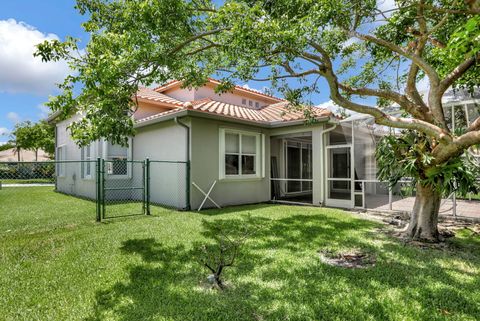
34	136
357	51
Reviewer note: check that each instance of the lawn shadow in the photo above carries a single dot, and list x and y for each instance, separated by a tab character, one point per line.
279	276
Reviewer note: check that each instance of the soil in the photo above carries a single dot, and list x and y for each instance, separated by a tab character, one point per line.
352	259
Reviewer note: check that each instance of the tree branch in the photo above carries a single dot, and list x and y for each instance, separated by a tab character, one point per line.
475	125
452	11
444	152
419	61
193	38
456	73
381	118
402	100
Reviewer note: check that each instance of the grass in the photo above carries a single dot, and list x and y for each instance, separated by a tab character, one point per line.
56	263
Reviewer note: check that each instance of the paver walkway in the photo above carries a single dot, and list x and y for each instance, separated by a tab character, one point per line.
464	207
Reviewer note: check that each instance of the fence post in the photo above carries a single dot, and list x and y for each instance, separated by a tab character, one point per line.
147	184
454	200
98	197
390	197
188	208
102	184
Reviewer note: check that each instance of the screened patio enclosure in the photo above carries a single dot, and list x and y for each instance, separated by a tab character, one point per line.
350	163
292	167
351	170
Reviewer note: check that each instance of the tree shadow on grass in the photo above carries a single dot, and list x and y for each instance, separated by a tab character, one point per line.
279	276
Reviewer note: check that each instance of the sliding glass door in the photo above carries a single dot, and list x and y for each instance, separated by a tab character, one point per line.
298	159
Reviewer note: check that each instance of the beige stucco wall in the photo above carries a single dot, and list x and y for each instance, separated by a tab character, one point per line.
185	94
164	141
148	109
205	167
72	182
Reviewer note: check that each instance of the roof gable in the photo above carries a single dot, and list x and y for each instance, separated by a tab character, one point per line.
239	90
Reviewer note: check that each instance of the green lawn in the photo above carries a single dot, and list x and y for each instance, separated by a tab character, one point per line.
56	263
28	181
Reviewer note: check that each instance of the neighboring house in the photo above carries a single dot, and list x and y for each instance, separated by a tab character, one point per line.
11	155
247	141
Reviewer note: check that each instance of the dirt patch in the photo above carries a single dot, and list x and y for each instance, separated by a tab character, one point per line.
353	259
395	225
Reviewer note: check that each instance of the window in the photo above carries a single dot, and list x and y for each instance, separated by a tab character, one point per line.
250	103
117	157
86	157
60	157
244	101
240	154
257	104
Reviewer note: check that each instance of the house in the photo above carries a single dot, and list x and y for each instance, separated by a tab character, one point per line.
247	142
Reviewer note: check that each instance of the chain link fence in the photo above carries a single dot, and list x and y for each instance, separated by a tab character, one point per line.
118	187
27	173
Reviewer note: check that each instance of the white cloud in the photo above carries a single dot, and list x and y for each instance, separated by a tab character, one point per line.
4	131
44	111
13	117
334	108
20	70
330	105
386	5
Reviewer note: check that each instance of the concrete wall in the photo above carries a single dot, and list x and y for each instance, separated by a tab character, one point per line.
205	167
166	142
72	182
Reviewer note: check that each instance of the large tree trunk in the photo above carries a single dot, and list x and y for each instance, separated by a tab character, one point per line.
424	219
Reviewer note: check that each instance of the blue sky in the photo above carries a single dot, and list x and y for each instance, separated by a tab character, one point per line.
26	83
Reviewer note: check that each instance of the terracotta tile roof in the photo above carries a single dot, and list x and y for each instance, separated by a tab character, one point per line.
270	114
149	94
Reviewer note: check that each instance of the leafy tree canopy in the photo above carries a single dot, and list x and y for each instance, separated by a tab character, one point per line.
357	49
34	136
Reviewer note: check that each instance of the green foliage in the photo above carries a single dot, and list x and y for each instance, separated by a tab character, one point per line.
8	145
34	136
409	155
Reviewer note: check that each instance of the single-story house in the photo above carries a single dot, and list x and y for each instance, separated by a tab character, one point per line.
248	142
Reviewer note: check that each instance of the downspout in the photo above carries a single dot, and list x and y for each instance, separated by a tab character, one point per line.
187	129
325	131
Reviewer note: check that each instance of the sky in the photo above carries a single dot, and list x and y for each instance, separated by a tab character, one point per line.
25	81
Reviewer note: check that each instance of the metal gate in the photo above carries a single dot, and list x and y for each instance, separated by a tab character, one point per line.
122	188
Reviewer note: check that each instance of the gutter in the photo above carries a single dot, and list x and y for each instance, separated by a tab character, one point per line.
196	113
187	130
50	118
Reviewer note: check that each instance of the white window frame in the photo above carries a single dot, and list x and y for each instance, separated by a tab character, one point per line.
259	155
129	158
60	155
86	161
